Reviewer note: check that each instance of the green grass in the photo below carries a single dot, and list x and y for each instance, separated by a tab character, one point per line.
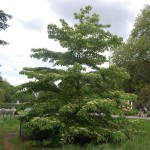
139	142
7	125
19	144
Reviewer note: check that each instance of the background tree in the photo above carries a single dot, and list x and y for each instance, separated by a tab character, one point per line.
3	24
6	91
144	97
134	55
22	97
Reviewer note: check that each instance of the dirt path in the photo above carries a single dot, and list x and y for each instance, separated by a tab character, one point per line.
7	140
134	117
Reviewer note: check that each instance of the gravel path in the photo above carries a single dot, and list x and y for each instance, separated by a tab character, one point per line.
137	117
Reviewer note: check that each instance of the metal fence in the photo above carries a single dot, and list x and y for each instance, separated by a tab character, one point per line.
22	127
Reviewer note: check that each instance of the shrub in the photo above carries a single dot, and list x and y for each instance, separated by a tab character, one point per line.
89	122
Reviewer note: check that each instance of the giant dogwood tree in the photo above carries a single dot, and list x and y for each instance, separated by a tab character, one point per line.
72	105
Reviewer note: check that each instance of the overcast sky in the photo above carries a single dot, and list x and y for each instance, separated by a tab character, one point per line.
28	28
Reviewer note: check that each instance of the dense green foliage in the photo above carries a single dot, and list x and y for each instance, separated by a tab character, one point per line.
144	96
139	141
73	106
5	88
134	55
85	41
6	91
22	96
140	136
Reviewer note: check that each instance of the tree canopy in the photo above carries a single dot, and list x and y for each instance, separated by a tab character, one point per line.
85	41
3	24
134	55
5	87
6	91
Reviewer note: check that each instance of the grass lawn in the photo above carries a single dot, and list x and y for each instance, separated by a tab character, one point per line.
139	142
9	125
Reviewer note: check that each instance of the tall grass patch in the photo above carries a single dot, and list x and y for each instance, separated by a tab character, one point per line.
7	124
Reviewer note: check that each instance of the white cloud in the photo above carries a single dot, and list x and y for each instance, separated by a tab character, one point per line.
28	28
